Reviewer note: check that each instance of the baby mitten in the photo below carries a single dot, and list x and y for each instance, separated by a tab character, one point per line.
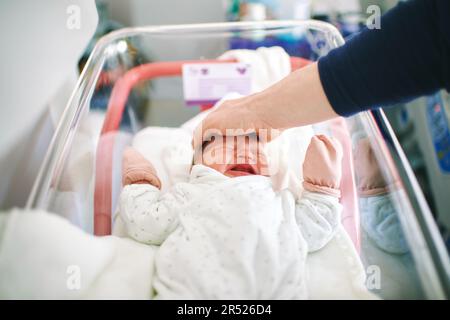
322	169
138	170
370	180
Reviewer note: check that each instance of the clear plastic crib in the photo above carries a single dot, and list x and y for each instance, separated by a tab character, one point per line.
132	80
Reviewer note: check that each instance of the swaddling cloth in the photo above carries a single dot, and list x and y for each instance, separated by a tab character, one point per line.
225	238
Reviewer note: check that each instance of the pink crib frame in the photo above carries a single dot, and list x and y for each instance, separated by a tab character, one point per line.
116	105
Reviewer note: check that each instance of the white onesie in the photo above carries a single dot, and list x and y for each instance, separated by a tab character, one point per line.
229	238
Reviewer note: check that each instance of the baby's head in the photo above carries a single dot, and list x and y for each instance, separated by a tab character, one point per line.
234	156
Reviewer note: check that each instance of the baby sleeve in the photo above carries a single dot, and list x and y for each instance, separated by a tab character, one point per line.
149	216
318	216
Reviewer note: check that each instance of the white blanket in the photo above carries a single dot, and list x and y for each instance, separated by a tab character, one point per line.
43	256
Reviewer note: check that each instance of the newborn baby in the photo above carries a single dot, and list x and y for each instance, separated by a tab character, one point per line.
226	234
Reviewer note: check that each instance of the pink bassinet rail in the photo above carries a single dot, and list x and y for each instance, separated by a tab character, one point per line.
116	105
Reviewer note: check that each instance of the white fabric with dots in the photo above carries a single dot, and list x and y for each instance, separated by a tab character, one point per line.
229	238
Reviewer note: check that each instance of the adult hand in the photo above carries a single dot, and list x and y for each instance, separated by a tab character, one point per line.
237	117
296	100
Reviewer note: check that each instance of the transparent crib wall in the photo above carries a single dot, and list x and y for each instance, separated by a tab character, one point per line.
392	238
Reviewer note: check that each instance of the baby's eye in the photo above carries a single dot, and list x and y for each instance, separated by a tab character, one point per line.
204	144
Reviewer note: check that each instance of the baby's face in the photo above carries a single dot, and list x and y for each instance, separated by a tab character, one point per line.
234	156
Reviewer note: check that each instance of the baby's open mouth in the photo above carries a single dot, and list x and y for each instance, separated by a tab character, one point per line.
241	170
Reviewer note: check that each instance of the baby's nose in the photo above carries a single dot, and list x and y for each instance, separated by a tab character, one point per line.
245	156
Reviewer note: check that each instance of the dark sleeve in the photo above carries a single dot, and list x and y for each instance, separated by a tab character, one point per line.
406	58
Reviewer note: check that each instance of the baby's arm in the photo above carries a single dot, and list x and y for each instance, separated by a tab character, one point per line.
318	211
318	216
148	216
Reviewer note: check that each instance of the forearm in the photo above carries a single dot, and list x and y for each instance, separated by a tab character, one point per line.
297	100
407	57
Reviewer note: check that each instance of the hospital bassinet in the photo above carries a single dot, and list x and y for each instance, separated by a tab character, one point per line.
132	80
